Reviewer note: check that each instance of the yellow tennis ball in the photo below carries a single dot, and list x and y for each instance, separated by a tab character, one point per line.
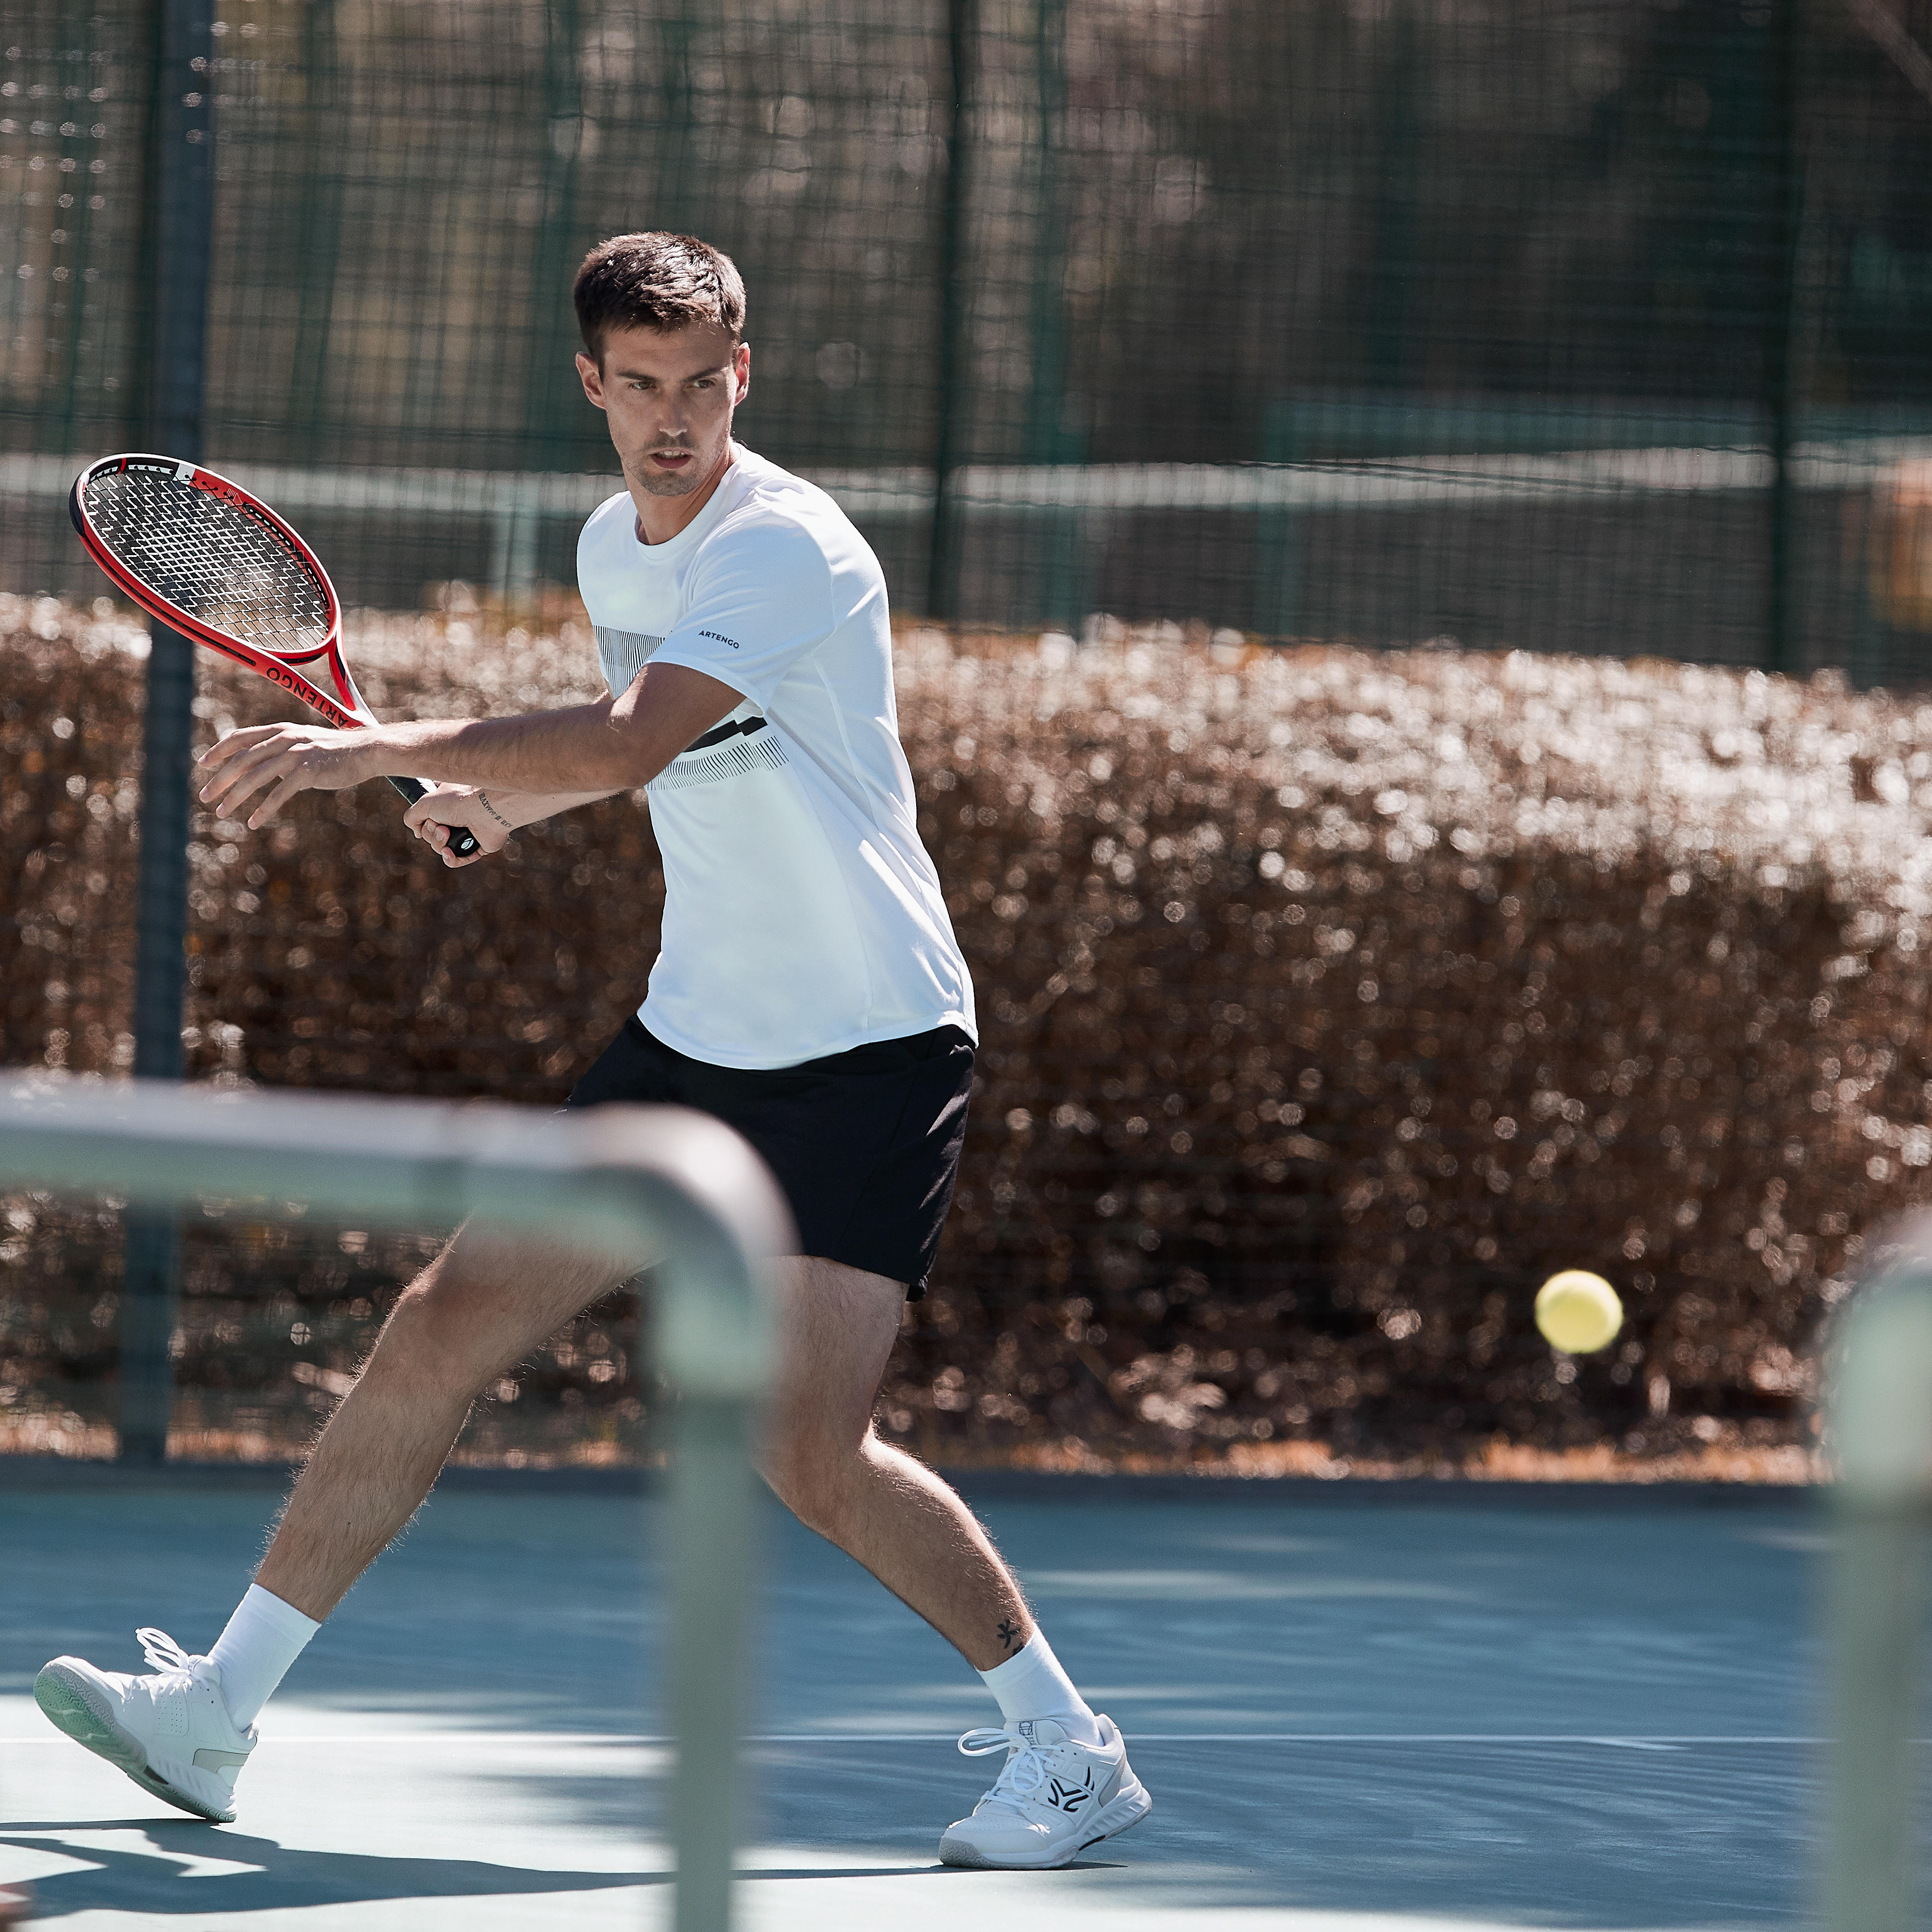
1578	1312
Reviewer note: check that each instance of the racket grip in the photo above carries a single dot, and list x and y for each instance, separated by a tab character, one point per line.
462	840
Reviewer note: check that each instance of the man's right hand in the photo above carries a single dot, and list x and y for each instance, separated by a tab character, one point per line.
443	807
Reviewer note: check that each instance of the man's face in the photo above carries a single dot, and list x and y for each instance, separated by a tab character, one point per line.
669	394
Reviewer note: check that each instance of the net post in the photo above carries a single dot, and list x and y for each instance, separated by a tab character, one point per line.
1881	1414
712	1340
713	1520
182	222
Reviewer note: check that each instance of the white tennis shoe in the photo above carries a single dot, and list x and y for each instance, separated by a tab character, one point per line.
171	1733
1053	1797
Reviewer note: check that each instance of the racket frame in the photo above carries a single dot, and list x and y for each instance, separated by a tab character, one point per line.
346	710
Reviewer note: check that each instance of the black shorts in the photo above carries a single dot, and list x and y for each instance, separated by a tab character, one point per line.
865	1143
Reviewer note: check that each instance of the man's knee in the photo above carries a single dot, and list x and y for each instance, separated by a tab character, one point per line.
813	1472
434	1332
483	1303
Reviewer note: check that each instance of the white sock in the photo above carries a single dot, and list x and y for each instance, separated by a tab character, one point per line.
264	1636
1030	1683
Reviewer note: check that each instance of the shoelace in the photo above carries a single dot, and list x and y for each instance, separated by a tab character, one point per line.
1024	1772
162	1652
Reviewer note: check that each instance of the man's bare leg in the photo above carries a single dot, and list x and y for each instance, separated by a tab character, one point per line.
878	1504
1065	1782
486	1302
185	1733
481	1306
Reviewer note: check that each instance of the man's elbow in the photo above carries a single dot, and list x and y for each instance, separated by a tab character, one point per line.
636	757
636	773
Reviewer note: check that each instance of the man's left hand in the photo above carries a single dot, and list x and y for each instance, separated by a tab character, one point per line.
281	760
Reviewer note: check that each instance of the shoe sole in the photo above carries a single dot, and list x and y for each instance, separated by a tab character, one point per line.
73	1706
1128	1808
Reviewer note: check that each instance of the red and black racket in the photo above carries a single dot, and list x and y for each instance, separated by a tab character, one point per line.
218	565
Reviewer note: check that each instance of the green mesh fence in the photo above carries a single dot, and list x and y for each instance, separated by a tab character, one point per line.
1328	1001
1555	326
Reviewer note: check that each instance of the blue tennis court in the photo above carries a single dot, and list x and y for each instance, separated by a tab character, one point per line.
1443	1704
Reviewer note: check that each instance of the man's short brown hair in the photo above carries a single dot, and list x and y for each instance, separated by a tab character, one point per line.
656	280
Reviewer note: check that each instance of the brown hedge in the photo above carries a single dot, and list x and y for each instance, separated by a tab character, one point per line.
1330	1000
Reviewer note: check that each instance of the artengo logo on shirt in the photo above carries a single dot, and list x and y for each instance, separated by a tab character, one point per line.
719	637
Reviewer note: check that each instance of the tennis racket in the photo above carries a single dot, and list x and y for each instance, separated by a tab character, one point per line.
218	565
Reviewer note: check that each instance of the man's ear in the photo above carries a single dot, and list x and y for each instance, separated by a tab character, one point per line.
591	377
741	367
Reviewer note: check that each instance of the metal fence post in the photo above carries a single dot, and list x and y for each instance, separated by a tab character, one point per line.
1391	336
1785	184
942	570
1068	538
552	409
183	217
318	231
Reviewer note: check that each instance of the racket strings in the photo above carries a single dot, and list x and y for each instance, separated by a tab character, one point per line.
210	558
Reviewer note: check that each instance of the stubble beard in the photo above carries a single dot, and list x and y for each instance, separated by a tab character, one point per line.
655	483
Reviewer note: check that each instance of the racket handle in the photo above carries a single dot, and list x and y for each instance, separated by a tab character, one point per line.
462	840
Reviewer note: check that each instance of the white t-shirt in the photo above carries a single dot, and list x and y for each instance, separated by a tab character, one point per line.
802	916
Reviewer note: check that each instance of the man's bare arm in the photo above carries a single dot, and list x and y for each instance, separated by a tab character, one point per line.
491	814
512	810
586	751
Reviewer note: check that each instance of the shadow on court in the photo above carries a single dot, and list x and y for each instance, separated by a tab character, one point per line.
170	1877
1572	1711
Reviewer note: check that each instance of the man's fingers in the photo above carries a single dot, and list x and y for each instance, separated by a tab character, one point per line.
420	814
281	776
243	778
238	758
231	743
294	783
440	842
245	768
230	788
436	835
284	756
288	770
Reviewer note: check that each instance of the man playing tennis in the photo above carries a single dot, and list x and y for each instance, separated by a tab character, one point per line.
809	992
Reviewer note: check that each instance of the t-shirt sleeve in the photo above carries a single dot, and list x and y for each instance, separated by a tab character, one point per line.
760	600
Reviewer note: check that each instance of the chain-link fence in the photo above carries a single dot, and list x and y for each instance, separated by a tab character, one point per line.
1325	1006
1557	326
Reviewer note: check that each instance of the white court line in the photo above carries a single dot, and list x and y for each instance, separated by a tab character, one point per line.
524	1740
1660	1743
